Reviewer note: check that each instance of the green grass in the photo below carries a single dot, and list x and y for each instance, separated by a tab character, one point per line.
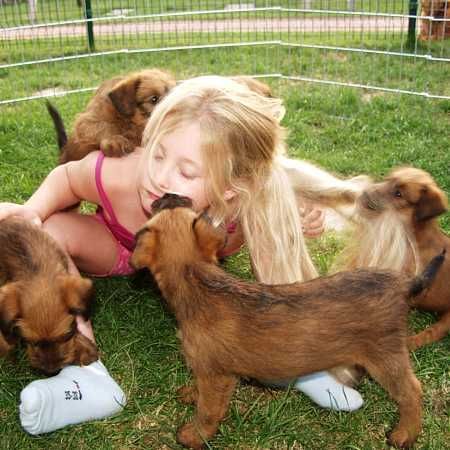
49	11
348	132
405	72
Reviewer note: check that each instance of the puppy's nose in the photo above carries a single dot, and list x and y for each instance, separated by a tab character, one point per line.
171	201
369	201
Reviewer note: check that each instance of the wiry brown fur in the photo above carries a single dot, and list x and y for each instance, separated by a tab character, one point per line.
434	29
39	300
232	328
115	117
412	201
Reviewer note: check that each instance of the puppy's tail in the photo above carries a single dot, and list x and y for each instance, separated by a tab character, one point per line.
425	279
61	135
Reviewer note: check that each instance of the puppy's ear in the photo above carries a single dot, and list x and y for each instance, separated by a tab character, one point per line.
9	309
432	203
78	294
142	256
209	239
123	96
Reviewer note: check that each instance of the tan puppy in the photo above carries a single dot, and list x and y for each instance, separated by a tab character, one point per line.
399	230
115	117
254	85
231	328
39	300
434	29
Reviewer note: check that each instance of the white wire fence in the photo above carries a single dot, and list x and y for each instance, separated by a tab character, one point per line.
400	46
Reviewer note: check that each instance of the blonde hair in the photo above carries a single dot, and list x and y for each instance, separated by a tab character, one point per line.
242	141
383	241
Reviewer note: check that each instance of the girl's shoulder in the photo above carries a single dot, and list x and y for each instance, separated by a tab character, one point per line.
117	173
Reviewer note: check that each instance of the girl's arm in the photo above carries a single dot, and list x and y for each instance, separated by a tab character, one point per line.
66	185
318	186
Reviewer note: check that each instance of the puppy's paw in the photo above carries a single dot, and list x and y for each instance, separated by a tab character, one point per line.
400	438
187	394
116	146
86	351
188	436
416	341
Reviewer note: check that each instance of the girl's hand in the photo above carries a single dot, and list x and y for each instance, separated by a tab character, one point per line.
312	221
13	209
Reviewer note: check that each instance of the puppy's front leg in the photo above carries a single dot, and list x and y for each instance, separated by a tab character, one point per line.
214	393
188	394
116	146
5	347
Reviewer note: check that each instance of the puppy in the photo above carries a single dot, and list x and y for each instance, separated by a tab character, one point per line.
434	29
398	229
39	299
254	85
232	328
115	117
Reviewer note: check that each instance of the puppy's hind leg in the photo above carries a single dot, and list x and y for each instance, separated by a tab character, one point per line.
214	393
395	374
431	334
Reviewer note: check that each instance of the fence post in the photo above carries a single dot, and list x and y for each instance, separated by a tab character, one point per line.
32	7
89	24
412	23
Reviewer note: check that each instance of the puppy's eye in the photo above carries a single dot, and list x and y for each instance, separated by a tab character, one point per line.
397	193
154	99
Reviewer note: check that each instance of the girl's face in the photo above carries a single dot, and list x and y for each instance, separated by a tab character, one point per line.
176	166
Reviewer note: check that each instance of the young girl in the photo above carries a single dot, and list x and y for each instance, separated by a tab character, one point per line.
215	141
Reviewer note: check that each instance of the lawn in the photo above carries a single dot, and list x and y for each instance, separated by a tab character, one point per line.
49	11
344	130
380	60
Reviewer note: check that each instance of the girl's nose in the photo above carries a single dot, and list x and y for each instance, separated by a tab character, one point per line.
161	178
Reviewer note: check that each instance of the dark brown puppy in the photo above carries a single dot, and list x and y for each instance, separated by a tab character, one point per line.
232	328
410	201
434	29
39	300
115	117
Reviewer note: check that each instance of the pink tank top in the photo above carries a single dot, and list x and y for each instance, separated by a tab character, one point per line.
124	236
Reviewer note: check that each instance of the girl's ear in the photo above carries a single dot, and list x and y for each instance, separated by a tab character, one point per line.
229	194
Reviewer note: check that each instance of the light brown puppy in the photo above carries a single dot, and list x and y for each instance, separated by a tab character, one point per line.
231	328
398	229
434	29
39	300
115	117
254	85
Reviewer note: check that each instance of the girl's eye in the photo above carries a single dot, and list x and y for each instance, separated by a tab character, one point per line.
158	157
187	176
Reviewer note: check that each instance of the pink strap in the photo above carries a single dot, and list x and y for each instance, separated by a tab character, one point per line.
124	236
103	197
231	227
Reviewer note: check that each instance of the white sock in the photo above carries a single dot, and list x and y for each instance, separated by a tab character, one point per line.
327	392
77	394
